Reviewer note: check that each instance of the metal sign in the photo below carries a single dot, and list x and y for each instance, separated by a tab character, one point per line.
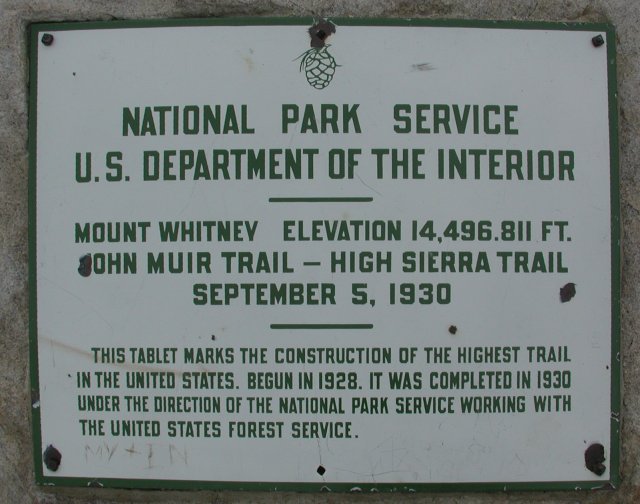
324	254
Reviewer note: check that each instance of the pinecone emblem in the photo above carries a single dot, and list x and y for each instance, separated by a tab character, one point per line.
318	64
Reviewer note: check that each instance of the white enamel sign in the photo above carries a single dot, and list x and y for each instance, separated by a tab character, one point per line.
267	254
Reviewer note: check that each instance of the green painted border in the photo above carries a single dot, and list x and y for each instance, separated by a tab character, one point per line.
149	484
356	487
33	279
616	359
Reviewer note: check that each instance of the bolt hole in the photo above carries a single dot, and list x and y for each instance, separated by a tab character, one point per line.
47	39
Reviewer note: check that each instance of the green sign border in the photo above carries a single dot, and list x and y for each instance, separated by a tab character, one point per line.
614	464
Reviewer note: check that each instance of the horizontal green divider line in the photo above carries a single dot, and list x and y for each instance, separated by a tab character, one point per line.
322	199
321	326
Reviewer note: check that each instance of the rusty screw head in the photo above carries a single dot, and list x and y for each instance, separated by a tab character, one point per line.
567	292
52	458
320	31
597	41
594	458
47	39
85	267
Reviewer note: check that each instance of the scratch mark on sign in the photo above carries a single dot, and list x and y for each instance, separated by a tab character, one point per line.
68	348
393	455
126	366
387	458
367	185
112	452
478	448
53	353
189	200
328	448
422	67
83	301
180	455
398	456
133	306
319	455
132	450
102	451
150	457
373	475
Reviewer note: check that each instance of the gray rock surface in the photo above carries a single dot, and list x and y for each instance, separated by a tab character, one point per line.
16	463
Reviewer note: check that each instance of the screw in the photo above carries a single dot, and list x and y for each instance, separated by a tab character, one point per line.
568	292
321	470
47	39
52	458
453	329
597	41
321	31
85	265
594	458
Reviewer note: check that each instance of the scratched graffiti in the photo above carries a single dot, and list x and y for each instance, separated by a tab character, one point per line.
150	455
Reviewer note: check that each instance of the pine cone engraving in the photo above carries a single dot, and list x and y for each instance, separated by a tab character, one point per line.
319	67
318	64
